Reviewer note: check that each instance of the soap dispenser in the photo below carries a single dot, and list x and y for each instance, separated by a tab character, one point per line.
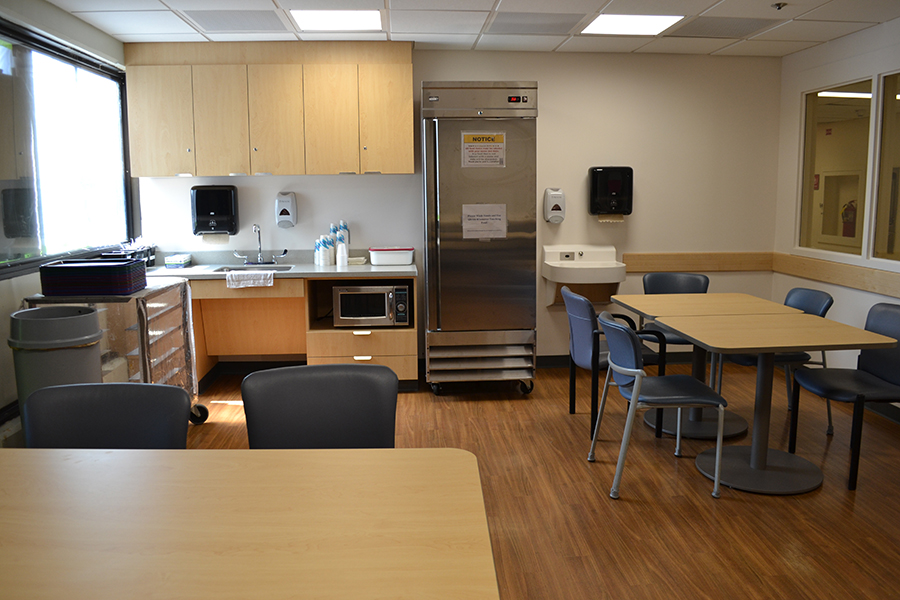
286	210
554	205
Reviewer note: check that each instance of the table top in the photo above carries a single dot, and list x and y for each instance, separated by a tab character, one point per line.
398	523
652	306
758	333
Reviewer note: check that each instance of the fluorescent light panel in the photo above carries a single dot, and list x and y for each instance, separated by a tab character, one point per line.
863	95
631	24
338	20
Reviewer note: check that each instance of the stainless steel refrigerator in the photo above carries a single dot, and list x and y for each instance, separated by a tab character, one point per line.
479	146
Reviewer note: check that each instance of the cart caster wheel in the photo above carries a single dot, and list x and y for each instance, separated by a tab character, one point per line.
436	388
526	387
199	414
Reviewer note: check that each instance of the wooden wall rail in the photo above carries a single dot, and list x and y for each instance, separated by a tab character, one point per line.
865	279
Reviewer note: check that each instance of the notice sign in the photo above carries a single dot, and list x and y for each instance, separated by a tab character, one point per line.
481	149
483	221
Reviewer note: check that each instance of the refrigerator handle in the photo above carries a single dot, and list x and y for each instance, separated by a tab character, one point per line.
436	224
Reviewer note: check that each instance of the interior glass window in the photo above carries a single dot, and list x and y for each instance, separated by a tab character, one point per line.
887	240
834	168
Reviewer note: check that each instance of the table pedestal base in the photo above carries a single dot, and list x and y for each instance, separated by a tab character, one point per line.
785	474
703	429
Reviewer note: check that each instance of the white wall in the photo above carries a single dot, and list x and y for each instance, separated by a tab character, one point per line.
864	55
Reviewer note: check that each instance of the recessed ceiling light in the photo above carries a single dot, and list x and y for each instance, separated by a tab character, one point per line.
866	95
631	24
337	20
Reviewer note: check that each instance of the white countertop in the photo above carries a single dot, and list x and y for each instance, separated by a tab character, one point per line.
301	271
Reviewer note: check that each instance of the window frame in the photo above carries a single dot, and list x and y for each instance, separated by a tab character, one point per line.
41	43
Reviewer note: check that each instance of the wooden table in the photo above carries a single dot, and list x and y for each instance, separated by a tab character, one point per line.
697	423
222	524
758	468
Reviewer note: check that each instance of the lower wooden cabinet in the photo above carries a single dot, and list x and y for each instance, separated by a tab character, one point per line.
394	348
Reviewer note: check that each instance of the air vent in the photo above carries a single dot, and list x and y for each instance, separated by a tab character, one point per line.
722	27
220	21
535	23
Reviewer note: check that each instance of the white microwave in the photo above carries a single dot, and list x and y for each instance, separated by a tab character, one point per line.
371	306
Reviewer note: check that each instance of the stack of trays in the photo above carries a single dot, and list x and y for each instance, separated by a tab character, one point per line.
93	277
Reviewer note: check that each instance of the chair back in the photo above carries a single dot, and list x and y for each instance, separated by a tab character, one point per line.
624	347
812	302
883	362
107	416
582	325
321	406
675	283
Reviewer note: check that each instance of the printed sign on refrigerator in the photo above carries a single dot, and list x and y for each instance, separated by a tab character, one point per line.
483	221
481	149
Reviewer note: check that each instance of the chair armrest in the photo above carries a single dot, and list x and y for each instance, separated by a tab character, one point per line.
661	341
627	319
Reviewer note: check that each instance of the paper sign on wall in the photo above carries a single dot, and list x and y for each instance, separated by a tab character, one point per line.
483	221
480	149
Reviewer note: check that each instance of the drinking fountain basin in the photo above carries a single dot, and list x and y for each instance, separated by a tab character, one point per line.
582	263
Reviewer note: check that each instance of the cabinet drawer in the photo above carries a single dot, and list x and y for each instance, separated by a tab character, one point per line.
406	367
346	342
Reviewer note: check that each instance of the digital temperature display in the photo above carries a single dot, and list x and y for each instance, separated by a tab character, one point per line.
517	99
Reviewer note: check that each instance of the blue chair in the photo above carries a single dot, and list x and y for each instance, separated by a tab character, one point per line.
584	347
321	406
813	302
876	378
112	416
674	283
670	391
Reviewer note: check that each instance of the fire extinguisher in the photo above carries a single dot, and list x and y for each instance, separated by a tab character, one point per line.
848	217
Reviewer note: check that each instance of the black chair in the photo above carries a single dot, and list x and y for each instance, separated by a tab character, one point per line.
584	347
107	415
812	302
321	406
674	283
876	378
626	366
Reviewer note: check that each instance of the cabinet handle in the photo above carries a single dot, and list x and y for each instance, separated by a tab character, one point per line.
184	174
362	358
362	333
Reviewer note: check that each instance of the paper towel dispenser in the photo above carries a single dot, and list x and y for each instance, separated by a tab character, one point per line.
611	190
214	209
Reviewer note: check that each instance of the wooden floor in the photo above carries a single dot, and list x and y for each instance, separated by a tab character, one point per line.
556	534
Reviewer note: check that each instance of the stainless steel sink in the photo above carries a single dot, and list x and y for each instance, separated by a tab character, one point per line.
254	268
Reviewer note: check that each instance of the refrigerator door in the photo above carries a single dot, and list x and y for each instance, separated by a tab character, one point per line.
480	217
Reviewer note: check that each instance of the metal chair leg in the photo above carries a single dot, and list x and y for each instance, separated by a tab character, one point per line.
855	441
572	368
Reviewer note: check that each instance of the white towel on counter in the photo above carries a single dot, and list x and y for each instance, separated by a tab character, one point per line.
243	279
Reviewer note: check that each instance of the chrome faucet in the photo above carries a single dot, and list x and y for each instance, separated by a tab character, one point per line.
259	254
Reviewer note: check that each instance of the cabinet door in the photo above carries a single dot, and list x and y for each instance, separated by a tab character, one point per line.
331	104
160	120
386	118
221	127
276	119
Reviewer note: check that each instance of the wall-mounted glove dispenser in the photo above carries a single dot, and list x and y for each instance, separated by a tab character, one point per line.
611	190
554	205
286	210
214	209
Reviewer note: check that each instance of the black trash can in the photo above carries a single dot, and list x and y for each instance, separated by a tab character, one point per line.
55	345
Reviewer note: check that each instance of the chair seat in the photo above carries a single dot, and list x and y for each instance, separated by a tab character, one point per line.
845	385
781	358
671	338
675	390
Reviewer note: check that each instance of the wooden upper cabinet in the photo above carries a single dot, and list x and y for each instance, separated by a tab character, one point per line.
331	107
221	126
386	118
276	119
160	120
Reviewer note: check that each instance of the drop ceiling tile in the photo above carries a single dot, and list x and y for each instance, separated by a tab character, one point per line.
871	11
375	36
136	22
105	5
437	41
811	31
525	43
603	43
447	21
721	27
536	23
485	5
762	9
331	4
753	48
675	45
657	7
584	7
137	38
253	37
220	4
233	21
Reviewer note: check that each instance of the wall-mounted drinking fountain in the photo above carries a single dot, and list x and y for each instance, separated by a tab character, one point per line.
580	264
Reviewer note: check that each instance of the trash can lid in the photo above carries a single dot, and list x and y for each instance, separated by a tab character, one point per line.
50	327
